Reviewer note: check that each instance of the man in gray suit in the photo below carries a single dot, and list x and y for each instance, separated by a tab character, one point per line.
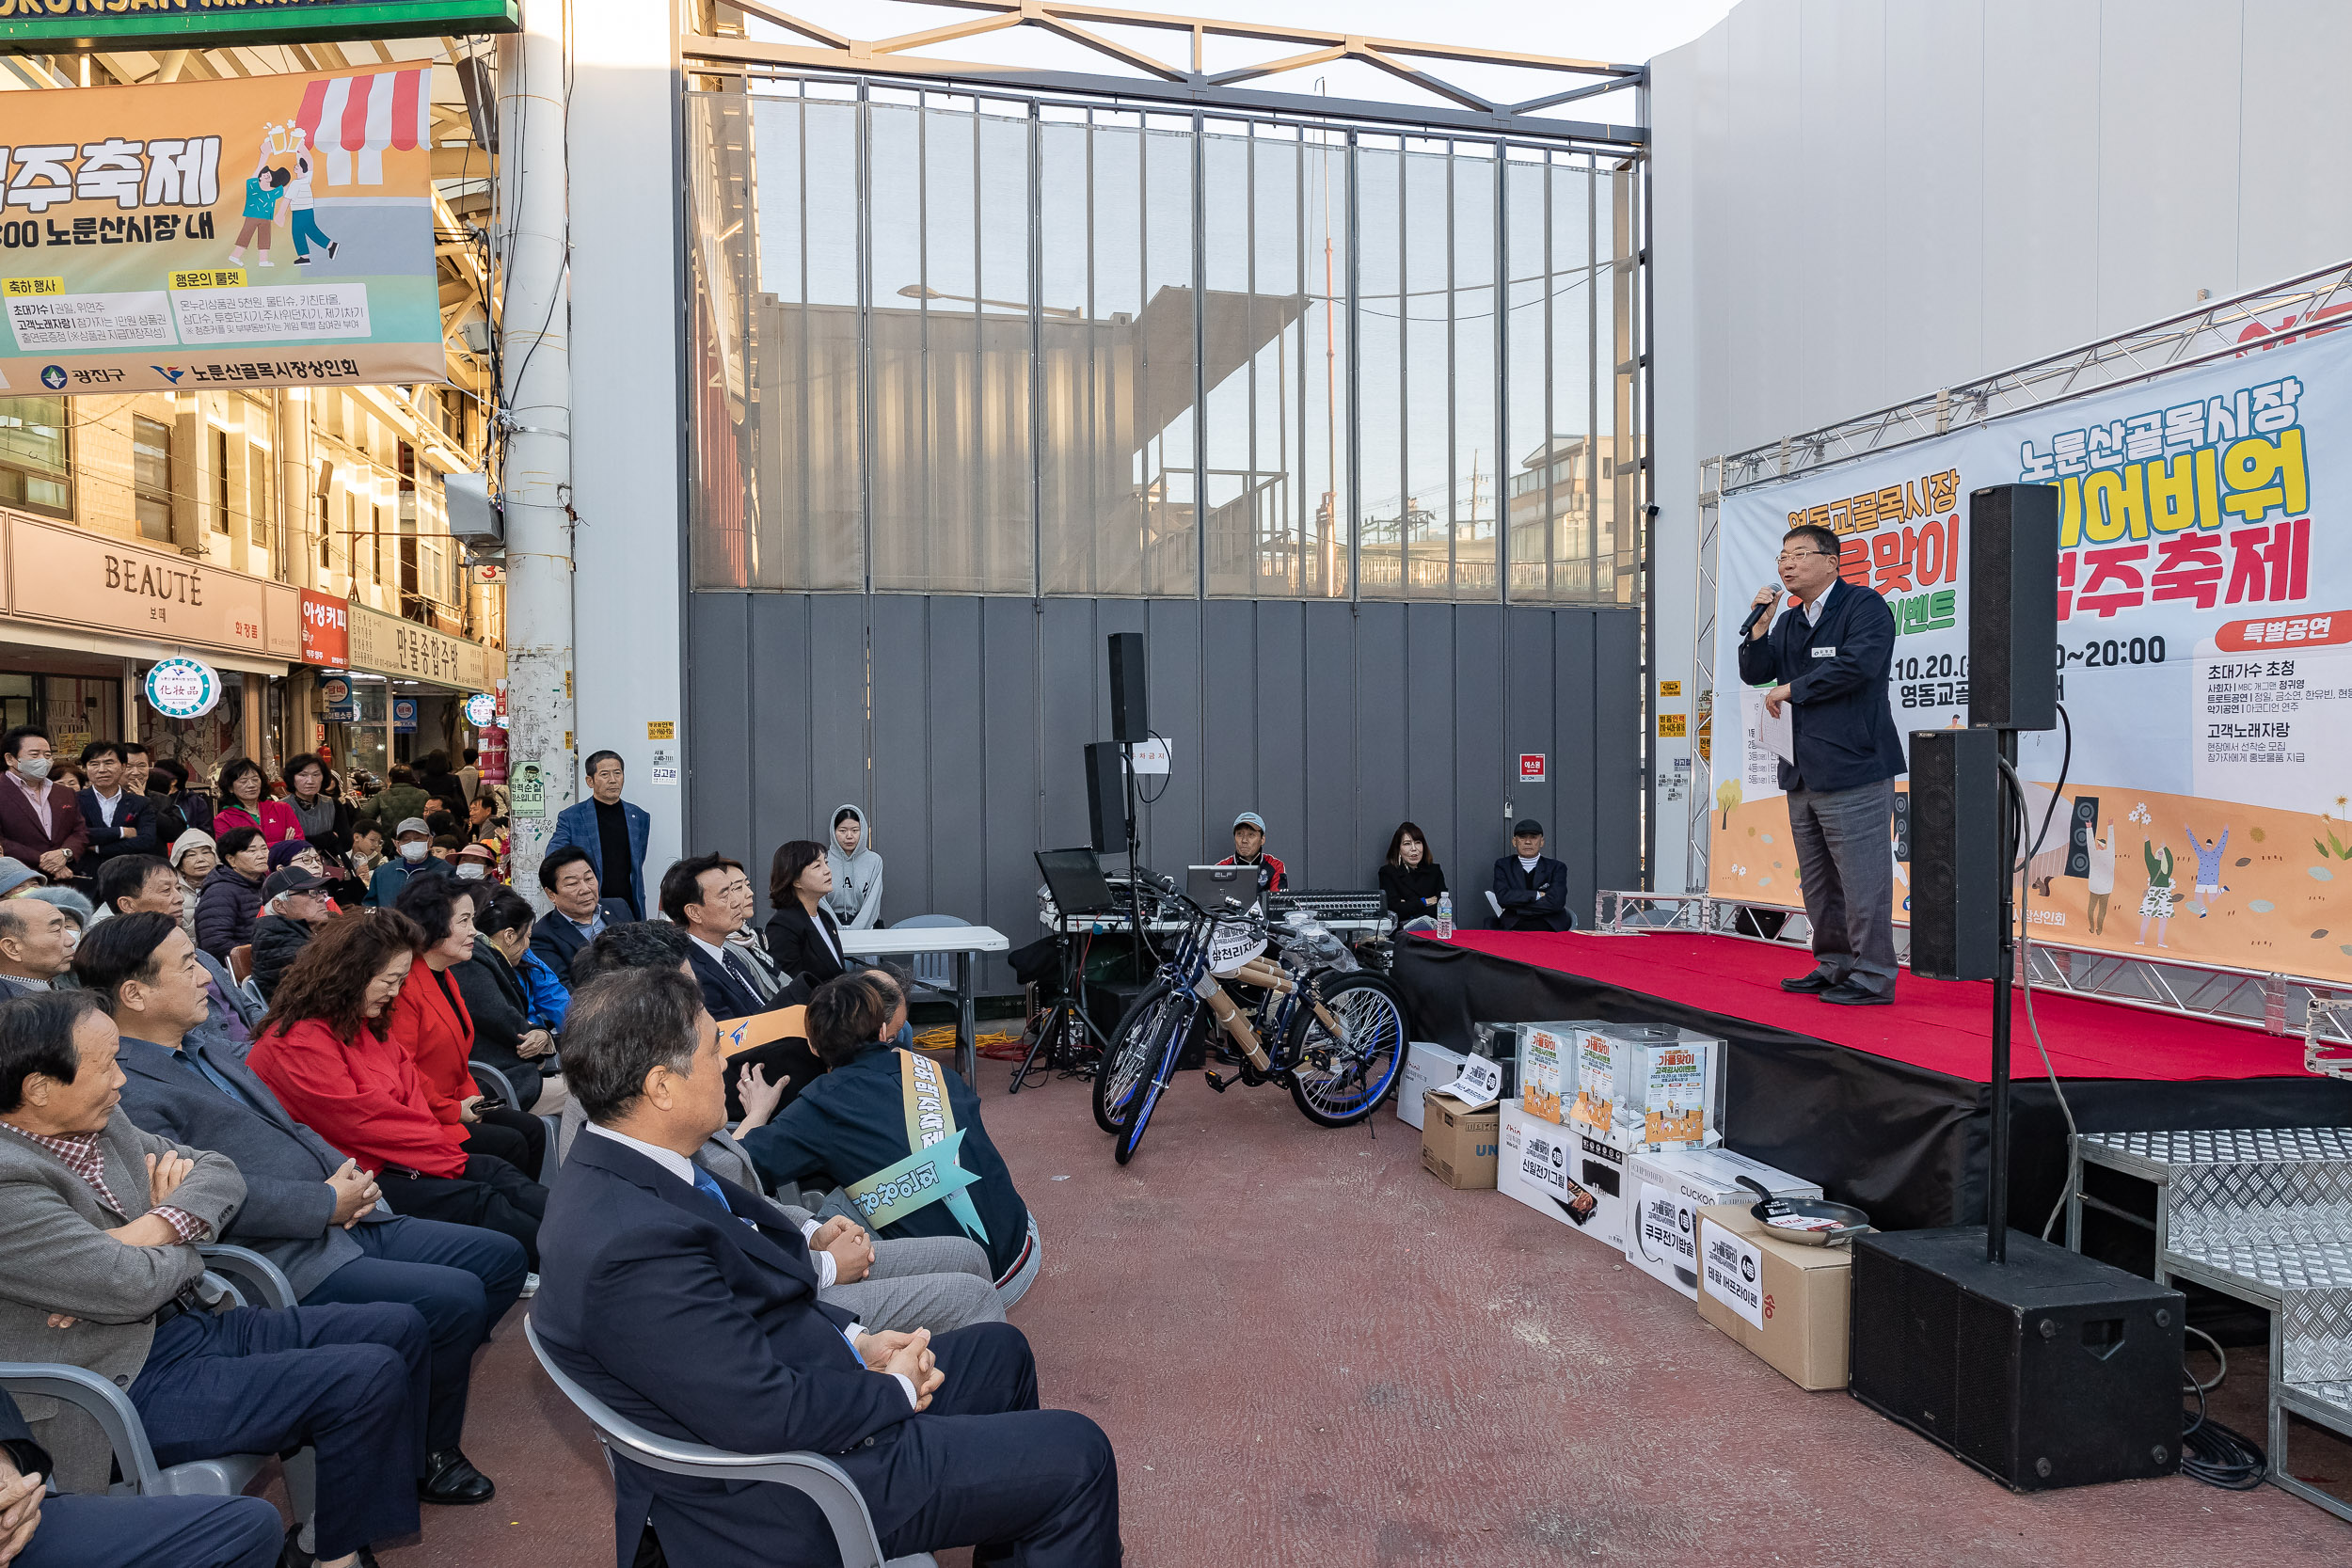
306	1209
33	951
99	1228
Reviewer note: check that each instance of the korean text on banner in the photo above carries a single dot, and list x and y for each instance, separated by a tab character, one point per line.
259	231
2204	647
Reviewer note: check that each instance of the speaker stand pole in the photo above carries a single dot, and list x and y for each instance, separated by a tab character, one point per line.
1997	1178
1135	882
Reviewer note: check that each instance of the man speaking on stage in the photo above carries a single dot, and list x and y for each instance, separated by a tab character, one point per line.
1829	661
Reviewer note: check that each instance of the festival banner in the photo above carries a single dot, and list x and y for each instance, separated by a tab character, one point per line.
2204	656
262	231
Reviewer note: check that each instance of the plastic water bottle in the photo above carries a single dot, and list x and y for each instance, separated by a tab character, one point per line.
1445	914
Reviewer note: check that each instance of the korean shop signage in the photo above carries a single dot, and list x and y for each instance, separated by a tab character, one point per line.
207	24
100	583
325	627
391	646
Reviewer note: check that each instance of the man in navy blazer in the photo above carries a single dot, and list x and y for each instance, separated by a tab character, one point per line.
306	1209
120	821
1830	661
605	822
578	909
688	1318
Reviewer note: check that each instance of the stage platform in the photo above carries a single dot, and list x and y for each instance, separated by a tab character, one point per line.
1886	1107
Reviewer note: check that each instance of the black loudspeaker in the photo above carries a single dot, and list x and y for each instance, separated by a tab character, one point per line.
2050	1370
2081	834
1106	799
1902	826
2013	607
1131	718
1955	854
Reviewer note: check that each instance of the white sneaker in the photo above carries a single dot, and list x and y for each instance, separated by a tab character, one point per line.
530	1286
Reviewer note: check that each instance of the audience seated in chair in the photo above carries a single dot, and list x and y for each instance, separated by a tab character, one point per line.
429	1021
295	902
38	1531
671	1297
231	899
852	1124
710	898
578	912
34	946
802	937
99	1225
940	1282
1530	889
514	1025
324	1052
143	884
308	1209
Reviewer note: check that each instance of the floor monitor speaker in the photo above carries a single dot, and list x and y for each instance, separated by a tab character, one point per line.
2012	606
1131	719
2050	1370
1955	800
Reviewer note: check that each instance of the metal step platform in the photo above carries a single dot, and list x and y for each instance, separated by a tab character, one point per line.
2263	1215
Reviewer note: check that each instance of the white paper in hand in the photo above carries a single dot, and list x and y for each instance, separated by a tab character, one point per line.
1777	734
1481	1084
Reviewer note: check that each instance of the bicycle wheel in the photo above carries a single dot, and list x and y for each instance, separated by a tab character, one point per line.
1338	1083
1155	1077
1132	1053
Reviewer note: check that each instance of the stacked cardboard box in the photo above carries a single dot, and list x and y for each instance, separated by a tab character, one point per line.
1784	1300
1457	1144
1665	1194
1426	1067
1575	1175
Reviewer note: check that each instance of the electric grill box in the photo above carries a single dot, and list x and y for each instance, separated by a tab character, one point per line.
1575	1175
1665	1192
1426	1067
1787	1302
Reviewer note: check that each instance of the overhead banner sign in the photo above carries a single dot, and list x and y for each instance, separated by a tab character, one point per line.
2204	655
261	231
207	24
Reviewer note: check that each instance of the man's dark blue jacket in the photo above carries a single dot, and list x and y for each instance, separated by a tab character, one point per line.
1837	676
691	1322
852	1122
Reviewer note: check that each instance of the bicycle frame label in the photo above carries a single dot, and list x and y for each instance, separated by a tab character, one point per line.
930	1173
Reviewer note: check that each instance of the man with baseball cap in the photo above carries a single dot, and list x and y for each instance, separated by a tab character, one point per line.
412	856
1250	849
1530	889
294	903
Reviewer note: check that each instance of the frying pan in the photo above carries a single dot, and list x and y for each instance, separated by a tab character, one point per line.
1807	1221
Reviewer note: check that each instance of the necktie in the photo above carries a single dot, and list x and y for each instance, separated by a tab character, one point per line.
708	1185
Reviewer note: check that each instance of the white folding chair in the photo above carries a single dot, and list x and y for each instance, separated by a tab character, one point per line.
819	1479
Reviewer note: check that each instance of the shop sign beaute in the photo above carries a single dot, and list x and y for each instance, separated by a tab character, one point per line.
102	584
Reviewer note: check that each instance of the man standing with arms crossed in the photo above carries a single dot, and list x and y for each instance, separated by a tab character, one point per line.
1830	661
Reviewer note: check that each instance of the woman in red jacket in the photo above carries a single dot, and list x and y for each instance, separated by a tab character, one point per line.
430	1023
322	1052
241	792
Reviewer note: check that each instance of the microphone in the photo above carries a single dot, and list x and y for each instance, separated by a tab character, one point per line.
1756	613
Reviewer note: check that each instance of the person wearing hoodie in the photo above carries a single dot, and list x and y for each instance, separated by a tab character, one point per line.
232	899
855	901
193	854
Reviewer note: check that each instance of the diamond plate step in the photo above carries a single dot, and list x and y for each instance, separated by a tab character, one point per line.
2287	1186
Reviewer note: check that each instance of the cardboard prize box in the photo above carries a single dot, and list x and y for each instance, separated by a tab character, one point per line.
1651	1083
1575	1175
1457	1144
1665	1192
1426	1067
1546	1059
1783	1300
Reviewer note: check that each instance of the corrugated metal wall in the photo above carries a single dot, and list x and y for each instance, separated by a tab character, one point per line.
1333	721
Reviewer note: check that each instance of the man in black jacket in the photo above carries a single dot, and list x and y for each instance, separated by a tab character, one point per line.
1530	889
119	1532
294	905
306	1209
1830	661
578	912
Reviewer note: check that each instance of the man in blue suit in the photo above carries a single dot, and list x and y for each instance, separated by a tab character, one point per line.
120	820
306	1209
685	1316
612	831
1830	662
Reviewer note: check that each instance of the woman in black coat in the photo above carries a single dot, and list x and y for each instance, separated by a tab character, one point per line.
801	937
505	1037
1411	881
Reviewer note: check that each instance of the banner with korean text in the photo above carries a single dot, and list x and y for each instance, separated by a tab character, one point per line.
2204	655
261	231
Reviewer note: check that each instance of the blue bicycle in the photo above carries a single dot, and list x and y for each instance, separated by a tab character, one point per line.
1330	1031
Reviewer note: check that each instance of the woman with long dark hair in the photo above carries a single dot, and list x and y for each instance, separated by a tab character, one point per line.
324	1050
802	935
1410	878
241	801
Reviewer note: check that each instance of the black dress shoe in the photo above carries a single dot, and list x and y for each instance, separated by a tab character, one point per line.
449	1478
1854	996
1814	981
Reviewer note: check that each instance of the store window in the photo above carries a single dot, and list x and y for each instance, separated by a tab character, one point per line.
258	466
220	482
150	476
34	471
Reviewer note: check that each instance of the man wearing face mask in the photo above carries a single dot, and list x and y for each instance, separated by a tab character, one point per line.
412	856
40	825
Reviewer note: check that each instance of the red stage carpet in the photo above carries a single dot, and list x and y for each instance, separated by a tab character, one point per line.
1945	1026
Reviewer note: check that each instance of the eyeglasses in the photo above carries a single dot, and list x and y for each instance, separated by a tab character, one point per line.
1800	555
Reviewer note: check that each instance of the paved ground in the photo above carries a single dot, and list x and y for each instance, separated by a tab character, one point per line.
1308	1352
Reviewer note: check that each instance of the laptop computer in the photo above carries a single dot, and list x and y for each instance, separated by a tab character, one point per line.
1210	886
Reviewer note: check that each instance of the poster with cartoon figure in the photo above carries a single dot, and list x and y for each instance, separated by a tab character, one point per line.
145	234
2204	647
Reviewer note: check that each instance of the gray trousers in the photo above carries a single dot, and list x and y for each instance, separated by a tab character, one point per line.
1846	865
934	1282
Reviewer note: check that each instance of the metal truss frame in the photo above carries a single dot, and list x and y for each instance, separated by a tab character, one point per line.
2272	1002
1189	85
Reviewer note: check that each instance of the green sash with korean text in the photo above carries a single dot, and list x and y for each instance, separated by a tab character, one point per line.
929	1173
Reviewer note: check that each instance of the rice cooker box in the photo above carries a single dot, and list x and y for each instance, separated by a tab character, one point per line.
1652	1084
